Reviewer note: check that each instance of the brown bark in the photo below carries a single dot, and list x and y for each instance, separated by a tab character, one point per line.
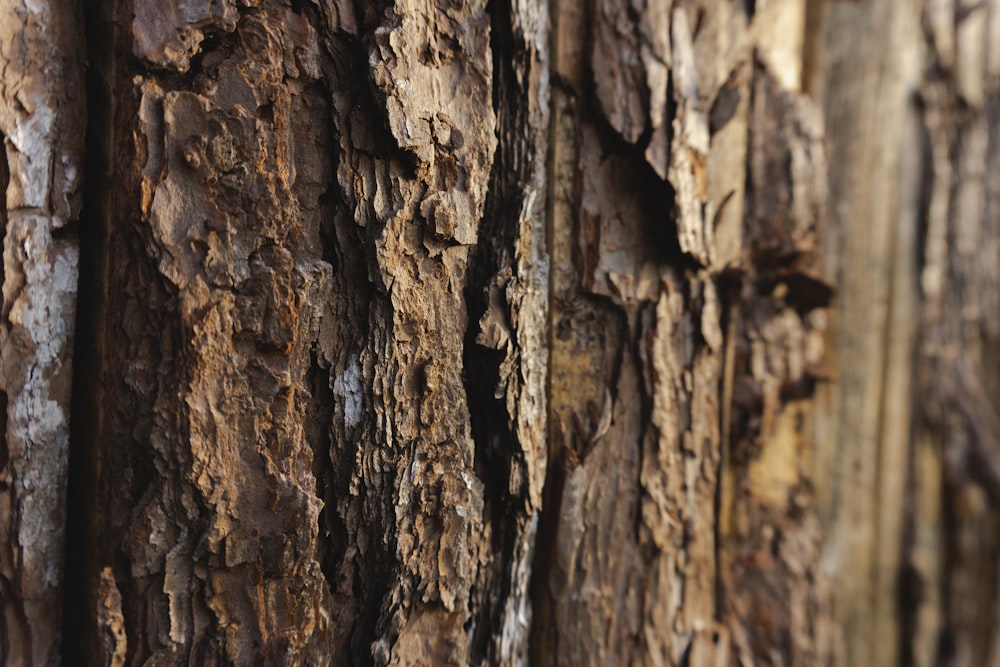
908	499
414	332
288	465
41	130
959	392
687	321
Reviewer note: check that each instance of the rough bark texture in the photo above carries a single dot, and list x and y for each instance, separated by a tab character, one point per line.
41	129
296	283
688	309
418	332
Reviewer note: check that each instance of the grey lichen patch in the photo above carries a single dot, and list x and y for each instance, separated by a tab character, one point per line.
348	388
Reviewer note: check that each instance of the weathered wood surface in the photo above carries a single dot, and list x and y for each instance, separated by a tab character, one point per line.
958	358
908	435
864	419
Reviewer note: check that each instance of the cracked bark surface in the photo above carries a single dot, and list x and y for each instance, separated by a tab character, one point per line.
688	316
290	468
499	332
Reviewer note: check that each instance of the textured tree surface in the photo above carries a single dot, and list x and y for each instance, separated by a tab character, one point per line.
688	312
42	112
526	331
910	438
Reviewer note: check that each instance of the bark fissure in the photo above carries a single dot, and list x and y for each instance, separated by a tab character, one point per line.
81	640
4	182
491	428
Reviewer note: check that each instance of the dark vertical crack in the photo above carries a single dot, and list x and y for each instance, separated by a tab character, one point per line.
359	577
729	286
80	634
4	182
319	416
541	646
492	262
317	202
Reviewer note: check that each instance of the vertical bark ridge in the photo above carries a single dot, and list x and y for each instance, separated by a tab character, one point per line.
402	189
419	200
775	593
957	361
42	118
216	263
649	552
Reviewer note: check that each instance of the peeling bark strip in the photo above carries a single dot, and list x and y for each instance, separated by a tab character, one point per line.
41	129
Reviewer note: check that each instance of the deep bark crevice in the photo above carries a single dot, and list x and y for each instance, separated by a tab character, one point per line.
332	533
494	440
4	452
4	182
80	640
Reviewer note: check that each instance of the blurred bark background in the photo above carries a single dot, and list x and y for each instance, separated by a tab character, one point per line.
414	332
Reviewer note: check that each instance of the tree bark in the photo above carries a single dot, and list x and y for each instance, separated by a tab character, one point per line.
42	108
288	467
908	500
500	333
687	317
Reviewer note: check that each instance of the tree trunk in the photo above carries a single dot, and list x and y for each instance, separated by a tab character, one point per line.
500	332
